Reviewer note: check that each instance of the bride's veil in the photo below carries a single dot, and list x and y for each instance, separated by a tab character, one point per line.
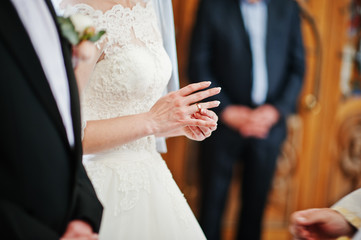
164	11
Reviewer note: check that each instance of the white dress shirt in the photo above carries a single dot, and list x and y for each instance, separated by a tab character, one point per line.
43	34
255	21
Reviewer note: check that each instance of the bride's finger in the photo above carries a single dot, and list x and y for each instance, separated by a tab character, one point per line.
199	122
191	88
206	131
199	96
198	134
198	107
208	113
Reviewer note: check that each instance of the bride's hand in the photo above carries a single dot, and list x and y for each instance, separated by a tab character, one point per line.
176	110
201	133
194	132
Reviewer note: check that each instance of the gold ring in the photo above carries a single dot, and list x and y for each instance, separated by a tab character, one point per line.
199	107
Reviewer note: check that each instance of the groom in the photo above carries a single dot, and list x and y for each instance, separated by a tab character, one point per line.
44	190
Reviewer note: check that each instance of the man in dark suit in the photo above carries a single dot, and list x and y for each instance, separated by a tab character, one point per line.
252	49
45	192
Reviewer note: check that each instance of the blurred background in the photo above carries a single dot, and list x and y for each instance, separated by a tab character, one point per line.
321	158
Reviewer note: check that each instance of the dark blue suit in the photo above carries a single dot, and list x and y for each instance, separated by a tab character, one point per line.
221	53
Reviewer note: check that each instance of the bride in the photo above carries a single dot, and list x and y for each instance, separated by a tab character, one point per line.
124	111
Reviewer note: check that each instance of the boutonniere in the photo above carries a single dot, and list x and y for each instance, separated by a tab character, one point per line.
77	28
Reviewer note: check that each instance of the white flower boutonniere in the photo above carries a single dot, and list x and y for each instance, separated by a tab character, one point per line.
77	28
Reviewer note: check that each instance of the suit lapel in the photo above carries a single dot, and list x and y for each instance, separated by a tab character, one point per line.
17	40
75	106
240	22
275	19
74	96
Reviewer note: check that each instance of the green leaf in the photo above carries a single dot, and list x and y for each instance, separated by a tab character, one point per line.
68	30
97	36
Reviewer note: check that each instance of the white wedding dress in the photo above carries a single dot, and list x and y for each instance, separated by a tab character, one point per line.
140	198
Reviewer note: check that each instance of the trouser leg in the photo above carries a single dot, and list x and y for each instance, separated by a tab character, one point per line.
259	167
217	167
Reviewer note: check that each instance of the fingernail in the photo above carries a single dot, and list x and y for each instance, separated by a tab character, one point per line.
218	102
208	82
301	219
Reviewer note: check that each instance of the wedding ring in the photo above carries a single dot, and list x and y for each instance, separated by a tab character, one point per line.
199	107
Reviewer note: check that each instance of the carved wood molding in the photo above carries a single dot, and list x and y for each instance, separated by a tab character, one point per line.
286	166
348	141
311	99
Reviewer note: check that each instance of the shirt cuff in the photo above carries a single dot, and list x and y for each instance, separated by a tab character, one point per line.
350	216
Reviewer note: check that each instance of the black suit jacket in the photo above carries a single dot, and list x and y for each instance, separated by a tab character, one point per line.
221	53
43	184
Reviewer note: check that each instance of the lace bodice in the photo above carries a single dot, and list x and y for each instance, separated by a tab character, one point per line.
135	69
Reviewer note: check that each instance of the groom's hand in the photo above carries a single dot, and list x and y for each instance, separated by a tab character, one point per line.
85	55
79	230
